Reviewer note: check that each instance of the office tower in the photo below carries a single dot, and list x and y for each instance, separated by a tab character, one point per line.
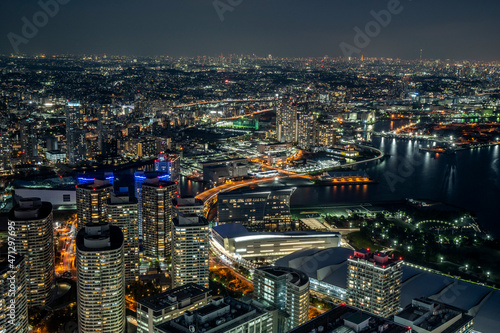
374	282
169	305
100	273
190	250
35	241
221	315
257	209
29	140
429	316
169	164
92	201
76	146
122	213
285	288
139	178
306	129
13	295
188	205
157	215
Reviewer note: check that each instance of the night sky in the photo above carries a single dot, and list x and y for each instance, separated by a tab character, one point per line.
444	29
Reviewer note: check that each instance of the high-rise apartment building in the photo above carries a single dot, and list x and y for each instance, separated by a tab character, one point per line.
100	279
306	130
286	123
29	140
13	295
76	146
327	134
169	305
92	201
258	209
374	282
123	213
107	134
190	250
285	288
157	215
139	178
34	240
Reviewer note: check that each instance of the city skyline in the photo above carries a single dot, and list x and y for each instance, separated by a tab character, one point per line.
229	166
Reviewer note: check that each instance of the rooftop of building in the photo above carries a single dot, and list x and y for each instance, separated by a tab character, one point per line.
378	259
158	183
338	317
96	184
29	209
122	199
186	201
99	237
173	296
258	191
217	313
236	230
293	276
430	315
143	175
190	220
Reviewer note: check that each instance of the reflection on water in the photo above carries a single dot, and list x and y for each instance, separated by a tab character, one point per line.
468	179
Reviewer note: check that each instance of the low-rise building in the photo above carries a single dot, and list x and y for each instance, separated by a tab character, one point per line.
237	240
425	315
169	305
347	319
221	315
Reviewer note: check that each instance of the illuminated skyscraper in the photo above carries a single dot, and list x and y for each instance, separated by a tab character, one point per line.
34	240
169	164
107	134
190	250
100	279
285	288
122	212
13	292
374	282
92	201
29	140
157	215
286	123
76	146
306	129
139	178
